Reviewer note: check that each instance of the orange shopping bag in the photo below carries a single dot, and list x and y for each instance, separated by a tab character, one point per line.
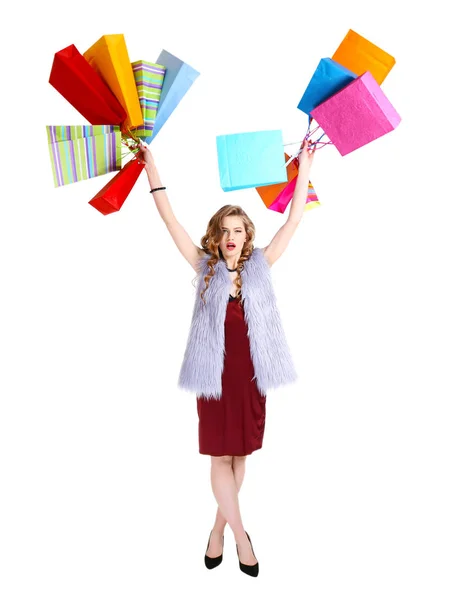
360	55
269	193
109	57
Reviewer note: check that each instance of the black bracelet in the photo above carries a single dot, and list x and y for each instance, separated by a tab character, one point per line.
157	189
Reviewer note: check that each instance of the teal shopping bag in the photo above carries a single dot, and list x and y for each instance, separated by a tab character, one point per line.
252	159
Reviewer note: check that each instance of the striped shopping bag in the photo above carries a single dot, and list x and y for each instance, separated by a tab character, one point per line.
80	152
149	78
312	198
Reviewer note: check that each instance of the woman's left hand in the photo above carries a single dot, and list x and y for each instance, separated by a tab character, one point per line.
305	158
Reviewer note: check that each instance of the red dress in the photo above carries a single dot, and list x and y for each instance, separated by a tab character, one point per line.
234	424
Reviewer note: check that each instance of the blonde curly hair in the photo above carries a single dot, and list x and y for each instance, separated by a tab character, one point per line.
212	238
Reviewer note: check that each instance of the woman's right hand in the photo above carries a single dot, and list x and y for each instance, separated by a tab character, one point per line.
144	155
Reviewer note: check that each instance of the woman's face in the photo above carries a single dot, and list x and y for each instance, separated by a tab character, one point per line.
233	236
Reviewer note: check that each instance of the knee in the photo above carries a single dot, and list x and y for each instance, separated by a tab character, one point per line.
238	461
221	461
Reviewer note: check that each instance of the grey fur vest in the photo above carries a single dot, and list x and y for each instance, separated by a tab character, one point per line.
202	367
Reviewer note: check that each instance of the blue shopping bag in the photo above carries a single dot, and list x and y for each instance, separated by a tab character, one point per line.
328	79
251	159
178	78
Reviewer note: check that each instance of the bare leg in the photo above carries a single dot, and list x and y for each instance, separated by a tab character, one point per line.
226	493
238	468
216	544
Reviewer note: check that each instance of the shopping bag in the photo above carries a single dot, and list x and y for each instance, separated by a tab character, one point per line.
286	195
82	86
360	55
250	159
269	193
113	195
357	115
110	59
179	77
328	78
312	198
80	152
149	78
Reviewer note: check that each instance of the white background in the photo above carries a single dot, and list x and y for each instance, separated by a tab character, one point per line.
103	492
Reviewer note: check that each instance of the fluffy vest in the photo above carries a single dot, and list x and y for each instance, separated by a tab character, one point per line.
202	367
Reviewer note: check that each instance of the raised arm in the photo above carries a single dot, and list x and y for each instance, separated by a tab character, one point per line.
180	236
281	239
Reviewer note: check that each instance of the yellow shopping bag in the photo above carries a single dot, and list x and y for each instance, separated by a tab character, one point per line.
109	57
360	55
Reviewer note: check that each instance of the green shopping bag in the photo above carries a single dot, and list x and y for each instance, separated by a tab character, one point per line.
79	152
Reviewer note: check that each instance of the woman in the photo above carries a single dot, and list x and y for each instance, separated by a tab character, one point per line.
236	347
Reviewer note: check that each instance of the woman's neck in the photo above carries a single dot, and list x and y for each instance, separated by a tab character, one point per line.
232	261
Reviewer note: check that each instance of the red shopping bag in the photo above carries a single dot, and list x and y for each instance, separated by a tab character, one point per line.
112	196
82	86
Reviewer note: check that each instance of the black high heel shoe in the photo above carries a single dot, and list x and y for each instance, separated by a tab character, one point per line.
211	563
252	570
